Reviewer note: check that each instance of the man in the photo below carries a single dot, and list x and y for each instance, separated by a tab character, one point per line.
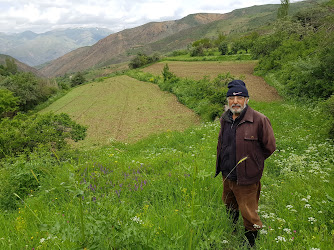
245	140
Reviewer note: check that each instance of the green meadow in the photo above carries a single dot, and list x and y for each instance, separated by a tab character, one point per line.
158	192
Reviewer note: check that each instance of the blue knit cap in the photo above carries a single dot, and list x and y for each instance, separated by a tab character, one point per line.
237	88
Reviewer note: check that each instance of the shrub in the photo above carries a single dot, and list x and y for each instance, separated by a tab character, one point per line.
77	79
23	133
223	48
142	59
8	103
328	108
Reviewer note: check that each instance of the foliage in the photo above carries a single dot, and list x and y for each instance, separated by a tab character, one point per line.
282	11
328	111
30	89
142	59
25	133
160	192
22	176
167	74
204	42
198	50
8	102
300	55
77	79
223	48
206	97
11	66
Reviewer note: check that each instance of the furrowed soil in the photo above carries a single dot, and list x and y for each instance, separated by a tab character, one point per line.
123	109
258	89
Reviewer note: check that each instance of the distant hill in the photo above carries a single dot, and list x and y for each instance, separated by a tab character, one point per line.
164	37
22	67
35	49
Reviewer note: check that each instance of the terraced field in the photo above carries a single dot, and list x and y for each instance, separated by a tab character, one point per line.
258	89
123	109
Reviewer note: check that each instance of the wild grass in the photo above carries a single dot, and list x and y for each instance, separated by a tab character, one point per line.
159	193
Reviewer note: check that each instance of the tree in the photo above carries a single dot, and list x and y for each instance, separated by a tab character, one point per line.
11	66
26	87
223	48
77	79
197	51
283	10
8	102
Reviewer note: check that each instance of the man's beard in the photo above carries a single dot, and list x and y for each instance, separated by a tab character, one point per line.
237	108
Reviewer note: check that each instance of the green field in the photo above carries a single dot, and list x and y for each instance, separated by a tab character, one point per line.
123	109
158	192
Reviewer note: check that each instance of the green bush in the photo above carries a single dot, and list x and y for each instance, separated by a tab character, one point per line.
206	97
328	108
8	102
77	79
22	177
23	133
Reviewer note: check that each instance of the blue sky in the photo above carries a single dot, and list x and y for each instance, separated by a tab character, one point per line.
44	15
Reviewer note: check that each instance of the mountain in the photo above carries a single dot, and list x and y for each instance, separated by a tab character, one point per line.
35	49
163	37
21	67
115	47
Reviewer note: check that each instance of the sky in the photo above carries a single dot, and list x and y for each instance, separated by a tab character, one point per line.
41	16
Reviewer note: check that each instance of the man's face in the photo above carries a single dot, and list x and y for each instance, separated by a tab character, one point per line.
237	103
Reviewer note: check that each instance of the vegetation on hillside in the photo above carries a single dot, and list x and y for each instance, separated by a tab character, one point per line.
159	193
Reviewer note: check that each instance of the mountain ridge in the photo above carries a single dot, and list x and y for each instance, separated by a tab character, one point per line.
35	49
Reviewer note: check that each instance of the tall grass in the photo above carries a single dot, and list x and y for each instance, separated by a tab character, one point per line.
159	193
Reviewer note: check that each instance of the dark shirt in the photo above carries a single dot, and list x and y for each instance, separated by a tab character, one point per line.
228	152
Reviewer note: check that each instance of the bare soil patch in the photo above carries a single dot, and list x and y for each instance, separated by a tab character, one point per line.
258	89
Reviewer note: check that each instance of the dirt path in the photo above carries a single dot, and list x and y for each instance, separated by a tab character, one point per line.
258	89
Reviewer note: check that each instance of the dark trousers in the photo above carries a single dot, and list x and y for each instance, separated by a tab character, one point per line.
244	199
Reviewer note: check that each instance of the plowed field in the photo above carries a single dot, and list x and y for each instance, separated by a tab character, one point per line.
123	109
258	89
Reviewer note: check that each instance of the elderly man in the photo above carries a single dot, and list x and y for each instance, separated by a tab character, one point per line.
245	140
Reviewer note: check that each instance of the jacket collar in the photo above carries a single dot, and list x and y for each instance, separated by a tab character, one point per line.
248	116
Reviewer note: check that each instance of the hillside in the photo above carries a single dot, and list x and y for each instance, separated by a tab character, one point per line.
163	37
35	49
123	109
22	67
115	48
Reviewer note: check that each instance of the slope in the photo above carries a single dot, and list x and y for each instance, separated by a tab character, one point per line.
163	37
123	109
22	67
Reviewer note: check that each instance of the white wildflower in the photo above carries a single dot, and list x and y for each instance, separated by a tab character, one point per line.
304	199
313	248
289	206
225	241
262	231
137	219
280	238
42	240
307	206
256	226
287	230
312	220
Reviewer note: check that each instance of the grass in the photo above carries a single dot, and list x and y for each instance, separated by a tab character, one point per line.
159	193
123	109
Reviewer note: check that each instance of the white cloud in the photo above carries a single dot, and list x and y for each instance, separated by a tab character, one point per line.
44	15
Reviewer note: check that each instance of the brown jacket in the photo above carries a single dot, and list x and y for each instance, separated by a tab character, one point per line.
254	140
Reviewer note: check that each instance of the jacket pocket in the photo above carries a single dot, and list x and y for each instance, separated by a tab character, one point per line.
254	165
